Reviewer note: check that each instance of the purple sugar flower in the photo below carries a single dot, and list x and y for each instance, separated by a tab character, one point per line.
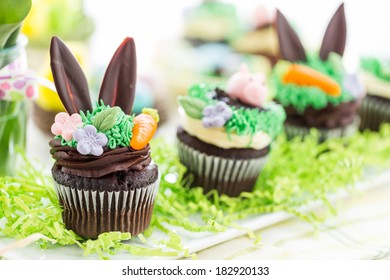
89	141
20	83
216	115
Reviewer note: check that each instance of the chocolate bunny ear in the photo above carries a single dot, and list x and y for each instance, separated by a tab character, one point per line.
290	46
118	86
335	35
69	78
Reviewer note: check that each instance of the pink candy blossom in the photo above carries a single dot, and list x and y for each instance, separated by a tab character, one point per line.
247	87
5	86
30	92
65	125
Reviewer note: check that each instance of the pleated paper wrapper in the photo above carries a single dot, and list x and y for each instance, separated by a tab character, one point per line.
226	175
373	112
89	212
293	131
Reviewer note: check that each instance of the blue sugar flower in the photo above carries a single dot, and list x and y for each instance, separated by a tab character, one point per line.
89	141
216	115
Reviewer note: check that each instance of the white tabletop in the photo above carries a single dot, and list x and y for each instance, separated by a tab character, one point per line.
360	231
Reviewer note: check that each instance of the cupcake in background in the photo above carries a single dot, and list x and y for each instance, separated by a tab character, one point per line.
210	21
225	134
260	36
183	65
314	87
375	108
201	52
103	172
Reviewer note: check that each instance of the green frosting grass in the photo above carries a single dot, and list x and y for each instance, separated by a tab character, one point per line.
249	121
289	181
113	122
244	121
119	132
376	67
301	97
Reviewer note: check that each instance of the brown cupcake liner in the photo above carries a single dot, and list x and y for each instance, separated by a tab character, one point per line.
89	212
293	131
374	112
226	175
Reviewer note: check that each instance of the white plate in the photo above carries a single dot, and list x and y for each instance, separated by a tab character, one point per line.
195	242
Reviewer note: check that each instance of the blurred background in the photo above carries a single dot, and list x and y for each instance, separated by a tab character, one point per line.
149	22
96	27
183	42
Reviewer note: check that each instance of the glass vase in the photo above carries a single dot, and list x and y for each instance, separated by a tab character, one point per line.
17	87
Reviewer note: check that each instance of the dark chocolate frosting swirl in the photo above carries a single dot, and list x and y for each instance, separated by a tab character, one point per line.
329	117
119	159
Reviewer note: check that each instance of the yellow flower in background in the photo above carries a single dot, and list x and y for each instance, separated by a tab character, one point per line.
36	20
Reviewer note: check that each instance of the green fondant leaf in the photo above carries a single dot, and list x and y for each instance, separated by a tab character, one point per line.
120	133
192	106
106	119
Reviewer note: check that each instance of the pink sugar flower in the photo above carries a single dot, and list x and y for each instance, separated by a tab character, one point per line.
5	86
30	91
64	125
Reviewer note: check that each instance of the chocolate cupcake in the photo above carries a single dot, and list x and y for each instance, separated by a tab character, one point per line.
259	37
226	135
374	110
103	172
210	22
313	87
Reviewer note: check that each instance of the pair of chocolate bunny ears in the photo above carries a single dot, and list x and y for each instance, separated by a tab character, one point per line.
334	40
118	86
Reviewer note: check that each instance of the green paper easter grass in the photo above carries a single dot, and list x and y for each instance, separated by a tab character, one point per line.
289	182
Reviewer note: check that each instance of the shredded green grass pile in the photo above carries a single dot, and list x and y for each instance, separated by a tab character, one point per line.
297	174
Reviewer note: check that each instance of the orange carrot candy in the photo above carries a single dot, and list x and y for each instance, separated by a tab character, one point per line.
305	76
145	125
